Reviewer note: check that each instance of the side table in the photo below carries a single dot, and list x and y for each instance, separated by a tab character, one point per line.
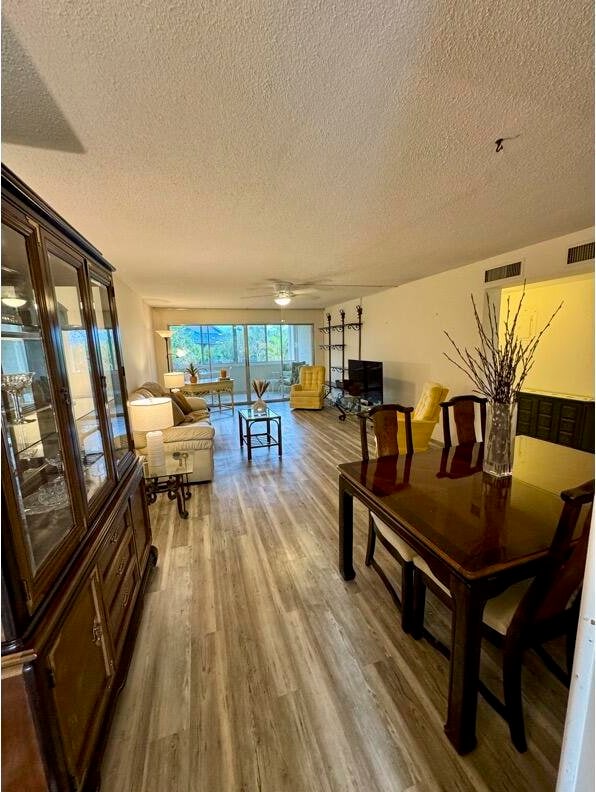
171	477
247	418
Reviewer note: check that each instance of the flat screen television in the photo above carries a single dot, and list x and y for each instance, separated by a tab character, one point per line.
365	380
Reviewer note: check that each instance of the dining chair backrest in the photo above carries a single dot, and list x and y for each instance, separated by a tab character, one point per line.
384	420
463	411
560	577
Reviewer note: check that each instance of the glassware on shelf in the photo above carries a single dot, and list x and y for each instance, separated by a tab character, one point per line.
56	461
15	384
55	494
50	497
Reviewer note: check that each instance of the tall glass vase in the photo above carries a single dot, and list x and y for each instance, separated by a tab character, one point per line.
501	422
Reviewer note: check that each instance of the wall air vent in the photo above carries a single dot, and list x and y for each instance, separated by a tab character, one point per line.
580	253
500	273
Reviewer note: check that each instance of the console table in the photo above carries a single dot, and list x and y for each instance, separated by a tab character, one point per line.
215	388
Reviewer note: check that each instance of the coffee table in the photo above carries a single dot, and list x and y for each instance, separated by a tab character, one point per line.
171	477
247	417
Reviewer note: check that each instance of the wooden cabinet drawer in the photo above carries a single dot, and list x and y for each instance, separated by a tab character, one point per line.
118	567
121	606
113	543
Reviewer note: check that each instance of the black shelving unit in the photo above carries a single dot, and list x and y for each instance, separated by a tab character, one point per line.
328	329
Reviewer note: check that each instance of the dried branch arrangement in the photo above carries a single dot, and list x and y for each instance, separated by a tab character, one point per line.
259	387
499	369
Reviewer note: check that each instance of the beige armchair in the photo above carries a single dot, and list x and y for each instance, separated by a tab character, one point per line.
425	416
309	392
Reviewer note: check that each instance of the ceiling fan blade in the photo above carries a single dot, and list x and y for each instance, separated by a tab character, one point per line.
356	285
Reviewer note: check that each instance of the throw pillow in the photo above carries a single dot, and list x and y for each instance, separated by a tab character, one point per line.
179	416
182	402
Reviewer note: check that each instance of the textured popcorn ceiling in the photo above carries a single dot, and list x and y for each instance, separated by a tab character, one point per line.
205	147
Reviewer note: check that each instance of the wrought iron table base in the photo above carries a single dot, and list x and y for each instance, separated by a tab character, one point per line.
176	486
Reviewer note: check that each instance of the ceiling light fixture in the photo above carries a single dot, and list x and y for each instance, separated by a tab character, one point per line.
283	298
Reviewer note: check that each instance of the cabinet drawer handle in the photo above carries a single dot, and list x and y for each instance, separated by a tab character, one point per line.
121	566
97	633
125	599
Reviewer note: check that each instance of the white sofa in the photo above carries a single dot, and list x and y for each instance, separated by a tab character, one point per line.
196	437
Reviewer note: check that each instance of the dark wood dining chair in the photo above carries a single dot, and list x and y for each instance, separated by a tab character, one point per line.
463	410
530	612
385	428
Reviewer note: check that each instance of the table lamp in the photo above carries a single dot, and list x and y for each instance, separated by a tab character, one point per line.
173	379
150	416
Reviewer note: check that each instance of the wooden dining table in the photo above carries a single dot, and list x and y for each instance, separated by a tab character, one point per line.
477	533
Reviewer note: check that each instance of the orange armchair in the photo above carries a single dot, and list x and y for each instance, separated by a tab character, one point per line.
309	392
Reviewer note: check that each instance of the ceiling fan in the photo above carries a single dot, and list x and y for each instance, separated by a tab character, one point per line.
283	292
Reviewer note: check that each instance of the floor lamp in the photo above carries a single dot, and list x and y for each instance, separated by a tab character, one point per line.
166	335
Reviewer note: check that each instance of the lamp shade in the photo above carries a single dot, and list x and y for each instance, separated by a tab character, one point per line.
173	379
147	415
165	333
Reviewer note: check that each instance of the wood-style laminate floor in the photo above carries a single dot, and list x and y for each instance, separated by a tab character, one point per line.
258	669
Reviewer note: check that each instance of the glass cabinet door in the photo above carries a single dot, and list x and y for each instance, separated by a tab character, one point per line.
111	379
35	453
77	361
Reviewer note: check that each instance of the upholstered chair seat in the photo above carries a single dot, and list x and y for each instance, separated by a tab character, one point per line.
309	392
404	549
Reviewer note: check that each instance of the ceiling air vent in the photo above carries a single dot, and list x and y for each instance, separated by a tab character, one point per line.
500	273
580	253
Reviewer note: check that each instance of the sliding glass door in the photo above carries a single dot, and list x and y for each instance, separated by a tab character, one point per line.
272	352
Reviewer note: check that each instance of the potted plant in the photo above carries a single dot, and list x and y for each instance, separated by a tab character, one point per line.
193	372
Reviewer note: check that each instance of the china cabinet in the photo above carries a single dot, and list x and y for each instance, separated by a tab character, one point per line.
76	538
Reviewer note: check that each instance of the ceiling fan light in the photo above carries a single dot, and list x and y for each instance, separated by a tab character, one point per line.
283	299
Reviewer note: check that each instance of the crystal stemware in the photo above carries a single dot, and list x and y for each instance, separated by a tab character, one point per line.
15	384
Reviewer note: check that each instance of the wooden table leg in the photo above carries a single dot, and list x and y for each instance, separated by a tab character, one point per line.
466	637
279	436
346	532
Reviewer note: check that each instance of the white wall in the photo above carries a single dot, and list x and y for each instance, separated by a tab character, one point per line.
162	318
136	335
403	327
